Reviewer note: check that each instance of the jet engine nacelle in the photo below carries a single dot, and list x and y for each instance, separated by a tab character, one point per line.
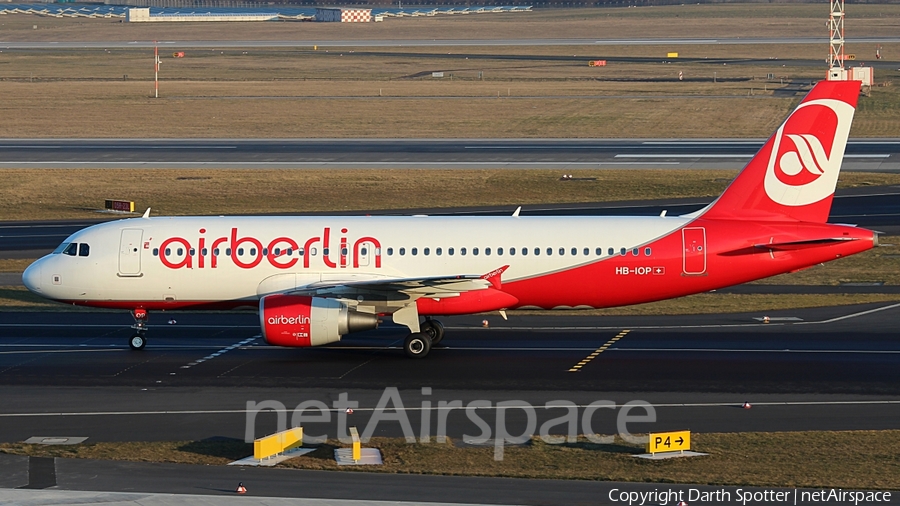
294	320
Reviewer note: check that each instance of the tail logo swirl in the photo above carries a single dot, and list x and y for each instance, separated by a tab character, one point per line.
807	153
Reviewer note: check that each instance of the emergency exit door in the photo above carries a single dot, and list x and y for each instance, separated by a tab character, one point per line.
130	252
694	250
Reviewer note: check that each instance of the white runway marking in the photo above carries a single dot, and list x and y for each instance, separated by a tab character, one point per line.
442	408
221	352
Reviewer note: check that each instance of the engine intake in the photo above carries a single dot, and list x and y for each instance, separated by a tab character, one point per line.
300	321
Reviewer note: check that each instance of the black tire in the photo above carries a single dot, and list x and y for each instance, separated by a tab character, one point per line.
417	345
434	329
137	341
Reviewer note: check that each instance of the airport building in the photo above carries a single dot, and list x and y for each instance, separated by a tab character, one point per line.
344	15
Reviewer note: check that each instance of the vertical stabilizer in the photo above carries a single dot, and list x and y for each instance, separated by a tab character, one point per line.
794	175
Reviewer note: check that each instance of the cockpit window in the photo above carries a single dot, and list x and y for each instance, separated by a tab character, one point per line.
84	249
71	249
59	249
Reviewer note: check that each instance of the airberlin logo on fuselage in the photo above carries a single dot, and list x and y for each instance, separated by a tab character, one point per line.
807	152
248	252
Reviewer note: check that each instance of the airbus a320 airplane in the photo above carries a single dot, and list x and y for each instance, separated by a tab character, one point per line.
315	279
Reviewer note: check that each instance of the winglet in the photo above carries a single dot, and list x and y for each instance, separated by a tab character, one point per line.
516	212
146	214
494	276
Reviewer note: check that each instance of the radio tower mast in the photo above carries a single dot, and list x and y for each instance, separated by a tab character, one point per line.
836	33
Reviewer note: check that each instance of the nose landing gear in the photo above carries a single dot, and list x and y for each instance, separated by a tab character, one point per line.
137	340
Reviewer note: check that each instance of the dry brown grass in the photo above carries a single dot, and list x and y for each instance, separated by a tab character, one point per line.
30	194
388	92
782	459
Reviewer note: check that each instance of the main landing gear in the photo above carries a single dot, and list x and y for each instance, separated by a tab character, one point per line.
137	340
418	344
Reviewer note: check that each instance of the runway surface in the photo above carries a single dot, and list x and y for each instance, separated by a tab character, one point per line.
861	154
814	369
428	42
872	207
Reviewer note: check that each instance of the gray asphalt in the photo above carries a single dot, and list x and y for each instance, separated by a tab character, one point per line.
814	369
430	42
70	374
862	154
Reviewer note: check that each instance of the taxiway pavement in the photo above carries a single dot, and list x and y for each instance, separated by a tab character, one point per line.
861	155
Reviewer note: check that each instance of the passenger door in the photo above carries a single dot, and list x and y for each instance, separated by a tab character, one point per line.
130	252
694	248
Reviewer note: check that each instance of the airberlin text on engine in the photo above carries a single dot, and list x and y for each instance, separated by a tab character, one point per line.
247	252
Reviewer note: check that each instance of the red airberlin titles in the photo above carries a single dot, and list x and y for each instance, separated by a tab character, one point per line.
274	253
315	279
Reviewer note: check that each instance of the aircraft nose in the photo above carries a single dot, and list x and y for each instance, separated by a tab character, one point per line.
31	278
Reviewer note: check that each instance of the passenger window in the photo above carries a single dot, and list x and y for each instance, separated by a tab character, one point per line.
623	251
474	251
450	251
415	251
611	251
344	252
402	251
364	251
487	251
191	251
549	251
227	252
562	251
427	251
204	251
598	251
179	251
276	251
216	252
84	249
390	252
168	251
500	251
156	252
636	251
313	251
574	252
438	251
462	251
71	250
240	252
524	251
290	251
647	251
253	252
512	252
378	251
537	251
265	252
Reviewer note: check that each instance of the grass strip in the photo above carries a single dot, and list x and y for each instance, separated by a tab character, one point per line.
53	194
771	459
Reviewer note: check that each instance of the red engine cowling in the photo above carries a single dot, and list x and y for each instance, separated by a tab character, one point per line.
293	320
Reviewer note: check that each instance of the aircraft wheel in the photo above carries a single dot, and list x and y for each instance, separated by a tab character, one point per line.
417	345
434	329
137	341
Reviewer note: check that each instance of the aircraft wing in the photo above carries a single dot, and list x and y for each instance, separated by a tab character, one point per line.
413	288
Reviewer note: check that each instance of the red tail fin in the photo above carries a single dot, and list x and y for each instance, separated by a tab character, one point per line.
794	175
